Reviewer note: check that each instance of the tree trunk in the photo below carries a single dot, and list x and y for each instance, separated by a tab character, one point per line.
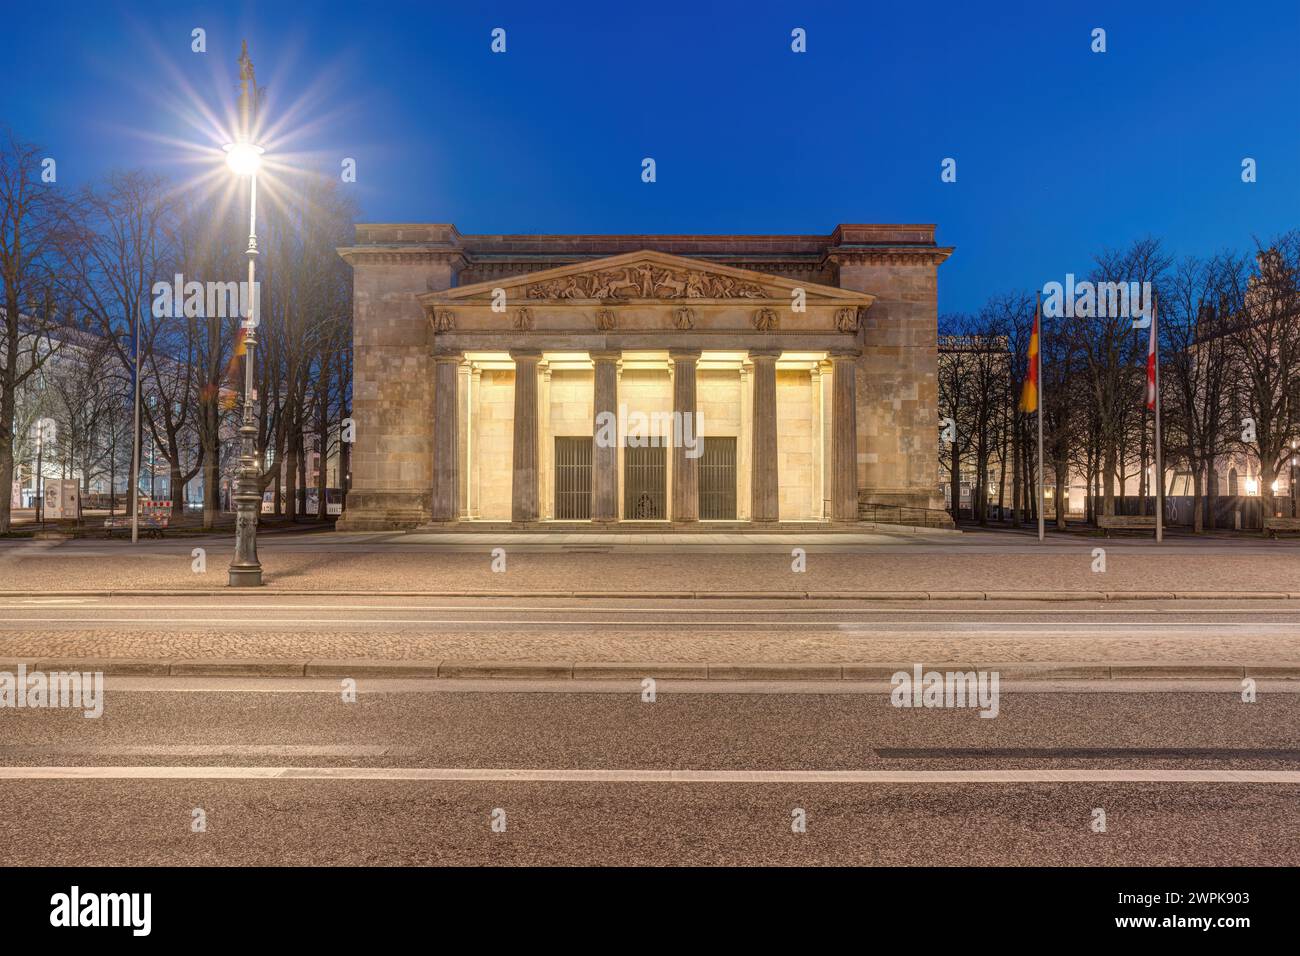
322	473
1211	494
291	480
209	435
1062	469
176	488
302	474
1108	482
6	478
1198	514
954	481
1267	476
1015	472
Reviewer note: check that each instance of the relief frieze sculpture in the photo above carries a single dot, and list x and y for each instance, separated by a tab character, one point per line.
684	319
444	320
765	320
646	281
846	320
524	320
606	320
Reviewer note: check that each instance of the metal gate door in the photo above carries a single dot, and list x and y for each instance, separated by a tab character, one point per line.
718	480
645	483
573	479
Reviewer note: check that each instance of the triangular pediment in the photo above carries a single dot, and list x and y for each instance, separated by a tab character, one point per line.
646	276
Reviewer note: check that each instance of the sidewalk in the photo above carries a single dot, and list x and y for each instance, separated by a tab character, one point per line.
937	571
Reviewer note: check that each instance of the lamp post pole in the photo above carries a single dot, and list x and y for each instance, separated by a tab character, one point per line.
244	157
1294	512
40	471
245	569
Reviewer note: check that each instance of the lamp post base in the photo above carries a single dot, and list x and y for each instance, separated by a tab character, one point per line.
245	577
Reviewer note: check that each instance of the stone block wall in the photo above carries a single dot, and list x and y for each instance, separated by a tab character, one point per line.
392	402
897	382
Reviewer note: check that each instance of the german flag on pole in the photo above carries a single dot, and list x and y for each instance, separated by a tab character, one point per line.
1029	395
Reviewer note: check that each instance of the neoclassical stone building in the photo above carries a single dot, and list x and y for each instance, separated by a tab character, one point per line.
488	370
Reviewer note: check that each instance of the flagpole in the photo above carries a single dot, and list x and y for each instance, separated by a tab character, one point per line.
135	441
1038	324
1160	464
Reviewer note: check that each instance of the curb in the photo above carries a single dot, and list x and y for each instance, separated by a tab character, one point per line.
627	670
1103	596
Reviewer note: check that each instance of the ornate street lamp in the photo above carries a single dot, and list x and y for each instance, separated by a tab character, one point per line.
244	158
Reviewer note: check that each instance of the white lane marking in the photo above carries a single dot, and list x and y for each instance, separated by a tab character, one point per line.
560	775
670	603
45	601
209	750
894	627
446	685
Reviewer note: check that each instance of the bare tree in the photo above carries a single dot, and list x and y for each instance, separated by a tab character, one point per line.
1196	373
1113	356
122	234
29	244
956	400
1265	337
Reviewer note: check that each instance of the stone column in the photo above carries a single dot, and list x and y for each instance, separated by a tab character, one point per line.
686	469
523	488
475	442
818	504
545	445
604	453
445	503
844	436
745	452
464	445
765	488
825	383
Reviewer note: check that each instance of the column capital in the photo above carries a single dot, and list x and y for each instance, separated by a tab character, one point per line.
684	355
606	355
757	355
449	355
526	355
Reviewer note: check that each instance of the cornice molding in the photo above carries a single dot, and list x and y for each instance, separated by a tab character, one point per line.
370	255
933	255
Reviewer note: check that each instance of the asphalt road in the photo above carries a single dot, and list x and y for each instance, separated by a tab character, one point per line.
288	772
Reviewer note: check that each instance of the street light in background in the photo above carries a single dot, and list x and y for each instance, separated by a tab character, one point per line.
244	157
1294	512
45	429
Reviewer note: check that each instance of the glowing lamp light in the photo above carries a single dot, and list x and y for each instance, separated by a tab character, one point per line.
244	159
1252	486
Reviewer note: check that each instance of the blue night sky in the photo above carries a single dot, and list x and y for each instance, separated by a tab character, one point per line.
1060	151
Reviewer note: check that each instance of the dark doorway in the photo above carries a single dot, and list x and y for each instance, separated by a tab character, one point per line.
573	479
718	480
645	483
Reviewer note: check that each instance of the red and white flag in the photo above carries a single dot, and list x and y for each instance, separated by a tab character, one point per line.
1151	365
